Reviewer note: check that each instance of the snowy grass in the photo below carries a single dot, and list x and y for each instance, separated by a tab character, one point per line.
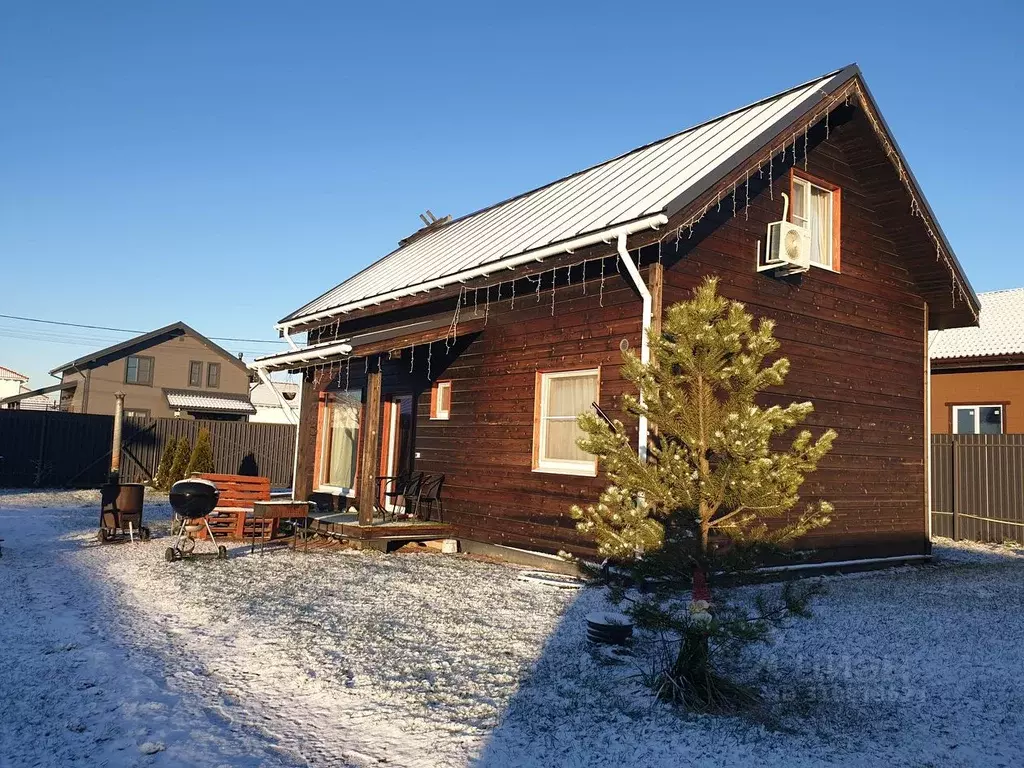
433	660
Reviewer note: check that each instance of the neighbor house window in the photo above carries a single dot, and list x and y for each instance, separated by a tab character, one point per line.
560	397
195	373
441	400
978	419
213	375
139	370
815	204
136	413
340	447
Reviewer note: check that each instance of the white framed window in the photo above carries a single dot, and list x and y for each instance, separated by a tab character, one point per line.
339	449
441	400
978	419
560	397
816	207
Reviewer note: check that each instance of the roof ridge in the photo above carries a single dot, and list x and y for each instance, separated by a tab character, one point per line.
641	148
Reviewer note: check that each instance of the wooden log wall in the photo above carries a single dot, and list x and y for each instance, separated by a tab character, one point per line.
856	344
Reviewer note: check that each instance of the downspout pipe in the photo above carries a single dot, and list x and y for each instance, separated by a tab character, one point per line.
645	343
262	373
295	448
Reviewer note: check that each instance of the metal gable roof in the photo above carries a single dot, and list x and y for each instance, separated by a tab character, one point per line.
144	341
1000	330
640	183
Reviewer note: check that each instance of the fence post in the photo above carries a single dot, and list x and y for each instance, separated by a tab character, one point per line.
955	452
41	457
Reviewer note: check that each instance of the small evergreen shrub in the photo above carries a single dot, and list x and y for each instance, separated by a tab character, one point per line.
182	454
202	455
163	472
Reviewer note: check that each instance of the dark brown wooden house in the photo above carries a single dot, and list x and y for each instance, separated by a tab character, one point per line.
469	349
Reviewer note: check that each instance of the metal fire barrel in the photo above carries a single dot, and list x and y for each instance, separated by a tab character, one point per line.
122	504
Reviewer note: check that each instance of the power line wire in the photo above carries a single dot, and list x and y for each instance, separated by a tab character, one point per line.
127	330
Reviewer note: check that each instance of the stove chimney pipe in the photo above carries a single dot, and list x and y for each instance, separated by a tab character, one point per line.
115	450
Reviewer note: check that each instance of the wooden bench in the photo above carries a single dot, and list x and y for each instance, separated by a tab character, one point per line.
232	518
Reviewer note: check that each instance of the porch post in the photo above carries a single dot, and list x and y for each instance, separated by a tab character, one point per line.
371	448
305	439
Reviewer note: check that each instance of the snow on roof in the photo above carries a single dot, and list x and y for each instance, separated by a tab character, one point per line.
1000	330
640	183
208	401
8	375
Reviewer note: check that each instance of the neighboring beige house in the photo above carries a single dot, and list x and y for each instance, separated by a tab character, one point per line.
268	405
16	395
11	383
170	372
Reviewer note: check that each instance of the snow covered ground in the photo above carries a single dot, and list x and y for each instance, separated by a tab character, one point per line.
114	657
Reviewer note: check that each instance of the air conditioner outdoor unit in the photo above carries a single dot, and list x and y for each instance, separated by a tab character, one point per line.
788	248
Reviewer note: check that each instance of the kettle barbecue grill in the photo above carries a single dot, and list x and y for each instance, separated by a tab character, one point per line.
192	500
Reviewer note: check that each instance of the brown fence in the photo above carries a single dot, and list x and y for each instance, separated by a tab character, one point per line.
978	487
52	449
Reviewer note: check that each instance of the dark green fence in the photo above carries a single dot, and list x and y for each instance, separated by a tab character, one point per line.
72	450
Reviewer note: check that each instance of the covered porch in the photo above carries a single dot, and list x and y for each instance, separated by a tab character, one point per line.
361	398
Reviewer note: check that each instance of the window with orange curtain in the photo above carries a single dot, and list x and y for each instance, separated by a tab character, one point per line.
441	400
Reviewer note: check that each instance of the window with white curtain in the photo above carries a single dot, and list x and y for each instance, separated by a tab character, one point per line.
813	207
561	396
340	447
978	419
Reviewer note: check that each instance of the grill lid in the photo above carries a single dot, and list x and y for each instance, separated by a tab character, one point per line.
194	497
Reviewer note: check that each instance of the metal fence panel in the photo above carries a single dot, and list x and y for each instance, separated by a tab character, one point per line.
978	487
50	448
54	449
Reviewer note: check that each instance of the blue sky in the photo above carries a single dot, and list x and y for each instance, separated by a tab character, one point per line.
260	152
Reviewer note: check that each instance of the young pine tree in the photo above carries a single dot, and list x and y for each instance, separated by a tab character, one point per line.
164	470
696	507
202	454
181	456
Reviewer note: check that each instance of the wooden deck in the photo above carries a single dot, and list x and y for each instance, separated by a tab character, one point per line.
345	525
